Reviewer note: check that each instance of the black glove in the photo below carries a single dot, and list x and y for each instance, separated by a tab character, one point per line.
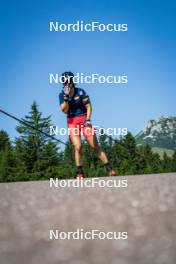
87	123
66	97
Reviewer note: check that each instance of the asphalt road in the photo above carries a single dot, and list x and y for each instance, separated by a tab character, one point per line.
145	210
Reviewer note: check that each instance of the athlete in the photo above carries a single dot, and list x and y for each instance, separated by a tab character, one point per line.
76	104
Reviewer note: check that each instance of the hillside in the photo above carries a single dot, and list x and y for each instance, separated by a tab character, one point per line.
159	133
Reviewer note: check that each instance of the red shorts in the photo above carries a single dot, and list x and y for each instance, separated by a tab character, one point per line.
76	127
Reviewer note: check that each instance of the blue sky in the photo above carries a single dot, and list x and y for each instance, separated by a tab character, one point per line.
146	53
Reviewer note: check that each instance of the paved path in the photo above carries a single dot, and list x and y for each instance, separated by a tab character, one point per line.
146	210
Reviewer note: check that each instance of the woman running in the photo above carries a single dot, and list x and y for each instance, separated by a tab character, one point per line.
76	104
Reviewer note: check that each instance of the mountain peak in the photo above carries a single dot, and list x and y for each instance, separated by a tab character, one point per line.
160	132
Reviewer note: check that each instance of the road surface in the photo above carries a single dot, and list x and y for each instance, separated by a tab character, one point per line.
145	210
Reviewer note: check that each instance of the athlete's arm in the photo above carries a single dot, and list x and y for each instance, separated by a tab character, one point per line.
89	110
87	103
64	107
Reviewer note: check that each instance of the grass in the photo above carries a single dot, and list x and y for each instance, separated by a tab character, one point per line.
161	151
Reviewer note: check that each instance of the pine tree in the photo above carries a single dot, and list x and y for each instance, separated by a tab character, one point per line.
47	163
128	163
5	148
174	162
147	161
8	163
69	160
166	163
4	140
118	156
37	152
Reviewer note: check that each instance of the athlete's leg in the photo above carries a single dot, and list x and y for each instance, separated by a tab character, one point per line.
76	140
92	140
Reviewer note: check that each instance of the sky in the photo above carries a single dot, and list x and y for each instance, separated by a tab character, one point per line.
146	53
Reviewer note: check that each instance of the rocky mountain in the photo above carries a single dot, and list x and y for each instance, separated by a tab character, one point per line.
160	133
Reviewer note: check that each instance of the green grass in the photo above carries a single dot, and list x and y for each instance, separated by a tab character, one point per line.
160	151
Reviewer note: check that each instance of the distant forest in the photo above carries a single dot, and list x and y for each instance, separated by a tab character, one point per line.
33	156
